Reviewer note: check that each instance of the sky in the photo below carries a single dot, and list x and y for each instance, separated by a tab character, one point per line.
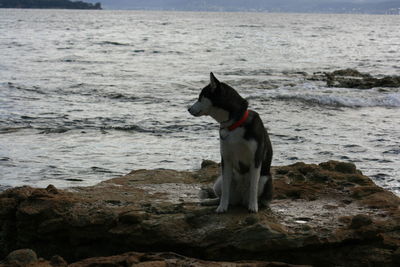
368	6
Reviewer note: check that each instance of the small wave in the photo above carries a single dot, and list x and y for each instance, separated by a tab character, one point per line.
7	130
250	26
390	100
380	176
80	60
128	128
24	117
69	59
33	89
100	169
121	97
113	43
395	151
54	130
263	72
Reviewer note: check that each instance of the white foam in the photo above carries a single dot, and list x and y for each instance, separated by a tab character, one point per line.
339	97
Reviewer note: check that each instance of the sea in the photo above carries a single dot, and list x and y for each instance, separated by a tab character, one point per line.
87	95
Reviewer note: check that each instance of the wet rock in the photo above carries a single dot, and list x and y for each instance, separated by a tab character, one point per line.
207	163
351	78
152	260
22	257
332	211
343	167
58	261
52	189
360	220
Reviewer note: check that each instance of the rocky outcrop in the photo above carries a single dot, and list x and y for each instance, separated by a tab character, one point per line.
351	78
62	4
163	259
322	215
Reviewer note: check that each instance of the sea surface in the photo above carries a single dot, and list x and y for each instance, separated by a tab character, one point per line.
89	95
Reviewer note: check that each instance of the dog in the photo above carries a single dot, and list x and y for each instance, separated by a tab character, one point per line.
246	150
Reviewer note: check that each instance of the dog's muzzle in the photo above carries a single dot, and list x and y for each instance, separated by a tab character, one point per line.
195	109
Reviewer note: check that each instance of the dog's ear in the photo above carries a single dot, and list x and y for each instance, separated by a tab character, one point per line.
213	82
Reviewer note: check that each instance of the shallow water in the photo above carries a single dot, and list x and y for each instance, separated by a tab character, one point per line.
90	95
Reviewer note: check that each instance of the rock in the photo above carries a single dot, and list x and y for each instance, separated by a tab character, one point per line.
52	189
360	220
52	4
343	167
207	163
351	78
330	211
21	257
152	260
57	261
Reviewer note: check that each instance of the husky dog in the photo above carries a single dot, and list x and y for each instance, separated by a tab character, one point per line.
246	150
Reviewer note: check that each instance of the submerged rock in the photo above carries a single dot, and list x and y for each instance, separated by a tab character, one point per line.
323	215
351	78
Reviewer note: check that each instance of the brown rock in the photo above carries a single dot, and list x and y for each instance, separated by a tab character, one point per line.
57	261
350	78
169	259
360	220
152	264
330	211
22	257
52	189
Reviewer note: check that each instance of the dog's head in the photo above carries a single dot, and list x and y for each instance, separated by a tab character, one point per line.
219	101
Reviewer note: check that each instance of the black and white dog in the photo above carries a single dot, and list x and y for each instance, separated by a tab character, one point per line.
246	150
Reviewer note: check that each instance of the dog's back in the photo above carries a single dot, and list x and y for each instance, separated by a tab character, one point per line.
255	130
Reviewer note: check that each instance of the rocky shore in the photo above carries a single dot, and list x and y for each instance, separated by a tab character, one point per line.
322	215
48	4
351	78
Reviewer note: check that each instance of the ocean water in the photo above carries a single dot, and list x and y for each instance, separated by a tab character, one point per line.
89	95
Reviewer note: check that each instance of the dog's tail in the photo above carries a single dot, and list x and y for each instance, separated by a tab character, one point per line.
210	202
208	197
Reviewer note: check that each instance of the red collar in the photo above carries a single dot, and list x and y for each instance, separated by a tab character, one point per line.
239	122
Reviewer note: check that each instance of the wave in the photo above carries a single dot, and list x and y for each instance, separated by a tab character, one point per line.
250	26
390	100
88	90
121	97
128	128
315	94
14	86
11	129
58	130
113	43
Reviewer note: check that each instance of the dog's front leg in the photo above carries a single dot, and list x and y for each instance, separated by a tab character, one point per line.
253	190
226	187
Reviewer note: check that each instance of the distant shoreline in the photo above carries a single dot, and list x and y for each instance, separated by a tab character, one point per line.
53	4
205	11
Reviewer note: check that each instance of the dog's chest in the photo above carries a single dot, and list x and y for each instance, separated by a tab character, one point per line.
235	149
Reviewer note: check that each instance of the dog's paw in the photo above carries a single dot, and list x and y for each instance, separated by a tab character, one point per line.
253	207
221	209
